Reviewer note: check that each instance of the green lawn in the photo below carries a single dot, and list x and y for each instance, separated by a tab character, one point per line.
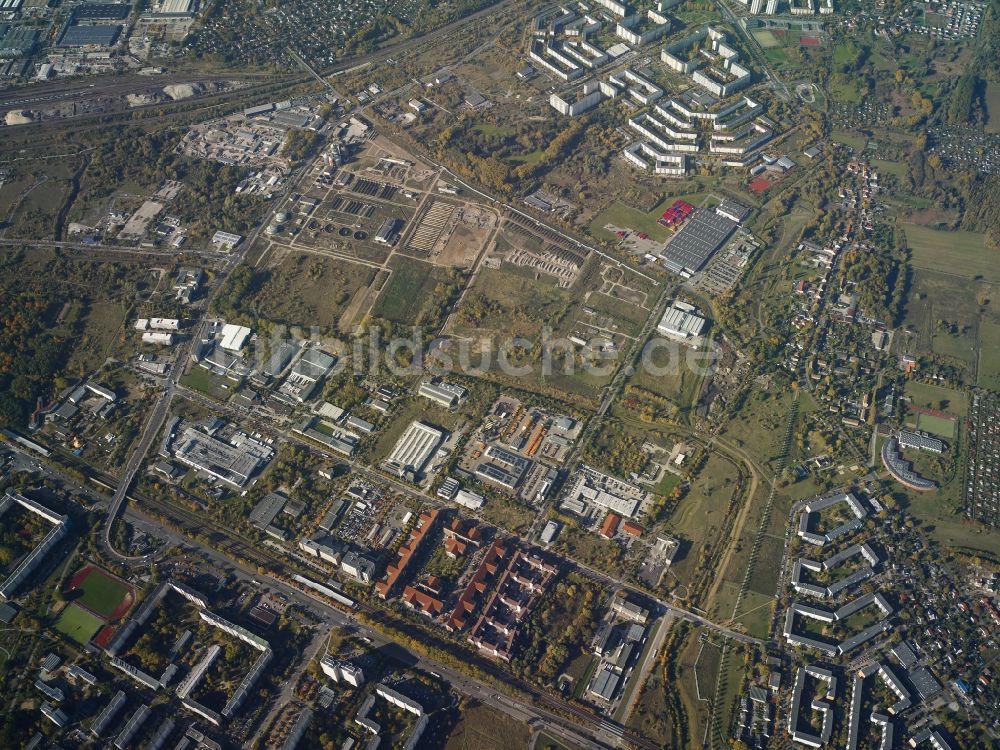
891	167
101	593
936	425
765	38
958	253
626	217
988	375
78	624
403	296
200	379
931	396
850	138
993	106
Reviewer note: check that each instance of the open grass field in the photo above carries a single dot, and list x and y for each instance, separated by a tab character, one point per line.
895	168
483	728
965	306
630	316
937	397
960	253
626	217
760	427
620	215
993	106
755	613
649	717
411	283
933	424
78	624
948	525
100	592
672	377
507	301
302	289
988	373
37	206
102	327
765	38
851	138
700	516
691	655
957	345
848	92
200	379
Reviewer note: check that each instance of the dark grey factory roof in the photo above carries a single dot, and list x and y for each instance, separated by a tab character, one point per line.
703	234
101	35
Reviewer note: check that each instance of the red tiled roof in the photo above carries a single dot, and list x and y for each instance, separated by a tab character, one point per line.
610	525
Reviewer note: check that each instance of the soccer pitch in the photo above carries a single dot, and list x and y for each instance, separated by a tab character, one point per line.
78	624
100	593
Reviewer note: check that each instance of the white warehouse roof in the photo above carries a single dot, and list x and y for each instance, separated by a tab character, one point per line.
234	337
680	322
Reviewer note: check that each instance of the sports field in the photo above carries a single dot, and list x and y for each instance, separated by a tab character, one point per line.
765	38
958	253
932	423
78	624
100	592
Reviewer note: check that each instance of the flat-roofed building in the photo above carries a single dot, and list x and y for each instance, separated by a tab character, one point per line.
697	241
174	9
233	337
413	450
97	35
60	526
232	463
444	393
680	322
909	439
227	240
388	233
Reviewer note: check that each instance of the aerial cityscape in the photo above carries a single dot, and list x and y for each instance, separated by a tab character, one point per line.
500	374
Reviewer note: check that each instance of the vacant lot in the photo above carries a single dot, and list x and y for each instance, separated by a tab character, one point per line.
305	290
700	517
993	106
512	302
200	379
101	329
407	295
482	728
959	253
